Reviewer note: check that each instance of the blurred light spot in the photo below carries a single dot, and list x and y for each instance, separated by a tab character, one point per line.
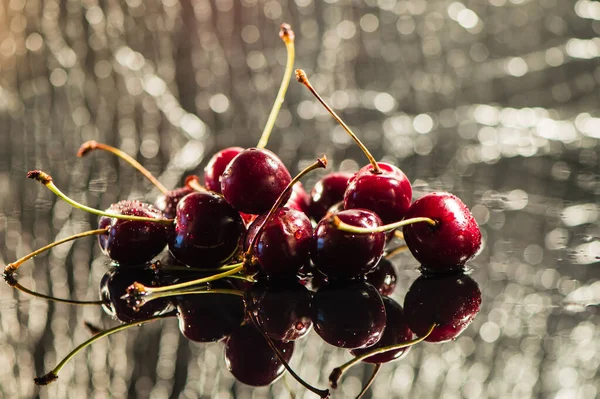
250	34
384	102
557	239
583	333
369	23
533	254
586	254
584	49
256	60
58	77
489	332
81	116
554	57
154	85
219	103
516	67
467	19
149	148
517	199
346	29
34	42
580	214
567	377
560	171
423	123
405	25
588	9
481	214
273	10
306	109
103	69
487	115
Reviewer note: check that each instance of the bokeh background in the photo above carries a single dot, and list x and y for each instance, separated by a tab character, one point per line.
496	101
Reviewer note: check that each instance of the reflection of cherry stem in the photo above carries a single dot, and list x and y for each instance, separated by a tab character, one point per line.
399	235
93	145
396	251
287	35
371	379
302	78
46	180
53	375
10	280
322	393
138	294
337	372
337	222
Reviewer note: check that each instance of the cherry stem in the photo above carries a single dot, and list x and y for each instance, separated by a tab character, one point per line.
91	145
193	182
323	393
92	328
138	294
46	180
396	251
302	78
337	372
53	375
337	222
370	382
11	268
399	235
319	163
287	35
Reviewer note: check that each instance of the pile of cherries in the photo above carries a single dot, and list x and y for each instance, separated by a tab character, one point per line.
254	261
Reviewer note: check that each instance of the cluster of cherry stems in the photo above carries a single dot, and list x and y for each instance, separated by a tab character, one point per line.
245	246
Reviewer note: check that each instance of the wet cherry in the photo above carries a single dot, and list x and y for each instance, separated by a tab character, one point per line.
167	203
453	240
383	277
217	165
208	231
341	254
327	192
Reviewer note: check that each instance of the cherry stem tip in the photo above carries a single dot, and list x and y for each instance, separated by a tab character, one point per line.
286	33
40	176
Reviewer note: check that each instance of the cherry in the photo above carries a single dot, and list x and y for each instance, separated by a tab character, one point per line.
453	240
217	165
282	306
450	301
284	243
167	203
379	187
114	285
250	358
299	199
388	193
327	192
208	231
348	314
340	254
396	331
133	242
210	316
253	180
383	277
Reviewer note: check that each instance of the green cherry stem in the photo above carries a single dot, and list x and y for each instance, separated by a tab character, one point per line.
337	222
337	372
319	163
46	180
12	267
302	78
287	35
91	145
53	375
370	382
138	294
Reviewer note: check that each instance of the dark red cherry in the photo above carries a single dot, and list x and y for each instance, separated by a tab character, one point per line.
282	305
348	314
114	285
396	332
388	193
208	231
167	204
133	242
250	358
451	301
284	244
253	180
217	165
383	277
453	241
327	192
209	317
298	199
337	253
